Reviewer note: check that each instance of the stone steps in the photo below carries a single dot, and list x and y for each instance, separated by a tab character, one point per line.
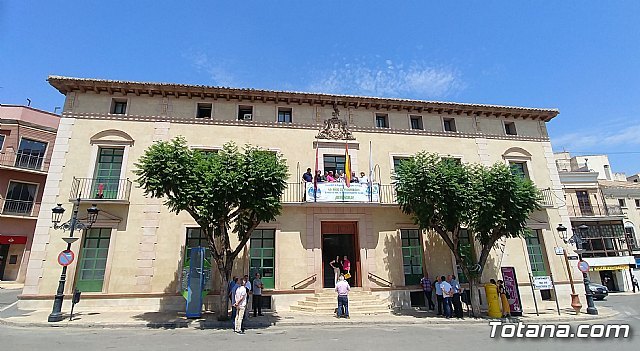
325	303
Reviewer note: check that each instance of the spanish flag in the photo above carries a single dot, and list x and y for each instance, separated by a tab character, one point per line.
347	165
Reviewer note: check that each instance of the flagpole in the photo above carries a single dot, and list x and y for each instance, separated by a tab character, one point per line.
370	182
315	175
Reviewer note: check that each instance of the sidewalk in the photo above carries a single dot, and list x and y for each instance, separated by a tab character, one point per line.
172	320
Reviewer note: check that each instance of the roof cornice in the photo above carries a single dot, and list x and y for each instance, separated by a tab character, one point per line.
66	85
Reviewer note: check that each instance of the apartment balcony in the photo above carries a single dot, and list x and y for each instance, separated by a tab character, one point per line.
19	208
23	161
546	199
598	210
355	193
103	190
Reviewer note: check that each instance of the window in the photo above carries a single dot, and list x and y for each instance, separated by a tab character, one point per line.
262	253
467	253
536	254
397	160
20	197
119	106
622	202
519	168
204	110
30	154
584	203
93	259
196	238
456	160
107	182
411	256
284	115
449	124
416	122
382	120
637	202
334	163
1	141
630	237
510	128
245	113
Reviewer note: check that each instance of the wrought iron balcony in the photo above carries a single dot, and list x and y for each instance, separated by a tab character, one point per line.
23	161
339	193
594	210
20	208
101	189
546	199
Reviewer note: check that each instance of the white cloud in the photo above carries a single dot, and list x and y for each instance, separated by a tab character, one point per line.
216	70
389	79
599	138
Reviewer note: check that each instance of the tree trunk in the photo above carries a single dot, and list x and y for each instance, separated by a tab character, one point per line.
223	310
474	284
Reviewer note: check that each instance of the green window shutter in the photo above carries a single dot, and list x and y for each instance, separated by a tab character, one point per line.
108	172
93	259
536	254
411	256
262	256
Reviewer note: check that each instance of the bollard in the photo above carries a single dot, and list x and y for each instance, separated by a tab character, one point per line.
493	301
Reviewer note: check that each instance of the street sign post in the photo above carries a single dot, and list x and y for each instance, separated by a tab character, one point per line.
66	257
542	283
583	266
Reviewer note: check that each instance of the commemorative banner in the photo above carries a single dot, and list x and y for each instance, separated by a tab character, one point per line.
340	192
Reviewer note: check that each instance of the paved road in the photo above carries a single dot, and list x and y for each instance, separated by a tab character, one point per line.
462	337
8	296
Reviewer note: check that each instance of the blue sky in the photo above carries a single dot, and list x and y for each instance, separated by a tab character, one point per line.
582	57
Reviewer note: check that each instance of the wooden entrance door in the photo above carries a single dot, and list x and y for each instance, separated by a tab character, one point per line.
340	239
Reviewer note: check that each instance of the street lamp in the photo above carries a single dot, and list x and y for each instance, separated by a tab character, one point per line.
580	239
71	225
575	300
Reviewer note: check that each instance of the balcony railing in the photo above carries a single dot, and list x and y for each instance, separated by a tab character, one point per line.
101	189
594	210
546	199
339	193
20	208
23	161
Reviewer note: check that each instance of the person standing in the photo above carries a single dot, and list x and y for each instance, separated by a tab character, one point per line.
247	285
335	264
504	299
634	283
363	178
232	295
346	267
427	289
447	293
240	305
439	298
343	288
457	303
257	296
307	176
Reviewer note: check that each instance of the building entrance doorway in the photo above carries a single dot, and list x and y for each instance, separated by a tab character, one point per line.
340	239
4	253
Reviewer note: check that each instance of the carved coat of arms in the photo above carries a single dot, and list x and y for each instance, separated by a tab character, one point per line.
335	128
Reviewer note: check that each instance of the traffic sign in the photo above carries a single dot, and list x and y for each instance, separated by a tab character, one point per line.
583	266
66	257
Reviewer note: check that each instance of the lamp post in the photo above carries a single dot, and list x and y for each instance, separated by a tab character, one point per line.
579	239
71	225
575	299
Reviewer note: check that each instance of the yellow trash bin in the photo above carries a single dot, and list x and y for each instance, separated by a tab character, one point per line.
493	300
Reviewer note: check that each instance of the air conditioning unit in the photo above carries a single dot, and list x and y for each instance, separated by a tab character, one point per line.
247	116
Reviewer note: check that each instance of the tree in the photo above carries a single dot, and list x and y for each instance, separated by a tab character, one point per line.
227	192
447	196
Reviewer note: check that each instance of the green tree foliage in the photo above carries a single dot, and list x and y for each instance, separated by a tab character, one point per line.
446	196
229	192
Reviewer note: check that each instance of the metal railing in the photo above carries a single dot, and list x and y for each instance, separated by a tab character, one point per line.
546	199
304	282
299	193
23	160
101	189
376	279
20	208
594	210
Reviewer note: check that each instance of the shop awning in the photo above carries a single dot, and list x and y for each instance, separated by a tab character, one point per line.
12	239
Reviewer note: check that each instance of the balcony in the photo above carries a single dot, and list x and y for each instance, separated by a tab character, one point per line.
20	208
298	193
24	161
597	210
546	199
101	189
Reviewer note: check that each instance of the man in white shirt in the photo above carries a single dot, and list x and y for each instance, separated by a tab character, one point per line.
447	293
456	301
363	179
247	285
240	304
438	295
343	288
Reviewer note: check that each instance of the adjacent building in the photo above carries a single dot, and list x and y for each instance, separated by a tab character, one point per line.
26	143
605	206
133	256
